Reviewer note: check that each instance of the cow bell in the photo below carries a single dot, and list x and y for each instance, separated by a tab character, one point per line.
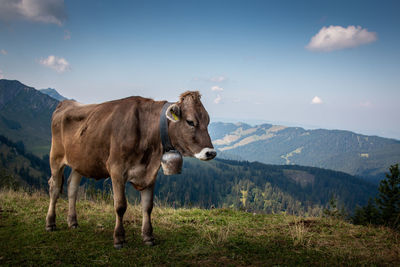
171	162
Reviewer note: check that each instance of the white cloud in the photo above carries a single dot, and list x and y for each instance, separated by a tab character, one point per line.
1	74
57	63
218	99
218	79
336	37
3	52
67	35
217	88
316	100
47	11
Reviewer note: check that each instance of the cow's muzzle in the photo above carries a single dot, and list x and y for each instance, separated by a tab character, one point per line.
206	154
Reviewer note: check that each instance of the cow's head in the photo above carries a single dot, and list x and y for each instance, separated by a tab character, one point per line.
188	127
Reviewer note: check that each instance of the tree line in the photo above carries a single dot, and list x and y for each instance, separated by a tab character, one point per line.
385	208
249	186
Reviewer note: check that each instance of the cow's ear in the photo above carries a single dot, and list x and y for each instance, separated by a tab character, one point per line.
173	113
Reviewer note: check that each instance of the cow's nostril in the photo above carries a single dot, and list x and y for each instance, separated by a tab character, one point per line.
211	154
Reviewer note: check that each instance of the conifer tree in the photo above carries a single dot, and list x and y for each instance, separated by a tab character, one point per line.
367	215
388	200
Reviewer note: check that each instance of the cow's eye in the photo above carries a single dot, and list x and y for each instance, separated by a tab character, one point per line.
191	123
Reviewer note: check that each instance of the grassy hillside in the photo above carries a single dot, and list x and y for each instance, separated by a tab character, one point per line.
356	154
185	237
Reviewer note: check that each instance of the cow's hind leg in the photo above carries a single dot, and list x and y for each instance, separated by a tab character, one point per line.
73	186
120	205
147	206
55	186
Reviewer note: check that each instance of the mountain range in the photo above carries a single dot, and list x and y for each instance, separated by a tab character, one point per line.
25	115
356	154
53	93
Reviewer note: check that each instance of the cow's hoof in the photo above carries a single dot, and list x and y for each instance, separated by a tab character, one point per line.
51	228
118	246
149	243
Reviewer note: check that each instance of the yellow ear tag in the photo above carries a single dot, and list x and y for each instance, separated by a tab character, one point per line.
174	116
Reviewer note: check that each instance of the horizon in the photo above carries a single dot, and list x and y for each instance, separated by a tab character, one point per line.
249	121
318	64
255	123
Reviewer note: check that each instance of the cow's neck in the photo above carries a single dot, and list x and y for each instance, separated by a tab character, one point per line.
171	160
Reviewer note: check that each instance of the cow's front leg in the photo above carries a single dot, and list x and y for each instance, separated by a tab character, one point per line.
147	207
118	185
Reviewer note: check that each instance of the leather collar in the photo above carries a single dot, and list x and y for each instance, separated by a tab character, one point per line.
166	142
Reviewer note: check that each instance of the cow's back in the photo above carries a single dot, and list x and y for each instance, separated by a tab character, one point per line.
82	135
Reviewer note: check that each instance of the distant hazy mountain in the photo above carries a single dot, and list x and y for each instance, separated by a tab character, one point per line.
345	151
53	93
25	115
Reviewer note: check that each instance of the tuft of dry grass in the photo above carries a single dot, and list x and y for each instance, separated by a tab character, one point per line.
217	236
299	232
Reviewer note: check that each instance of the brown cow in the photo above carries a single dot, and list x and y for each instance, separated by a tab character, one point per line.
121	139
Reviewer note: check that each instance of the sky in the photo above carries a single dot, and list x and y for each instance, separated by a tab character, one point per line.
314	64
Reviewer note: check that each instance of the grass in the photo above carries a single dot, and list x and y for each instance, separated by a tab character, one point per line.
184	237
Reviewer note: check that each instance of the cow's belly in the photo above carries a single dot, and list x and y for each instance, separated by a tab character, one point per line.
90	169
96	171
89	164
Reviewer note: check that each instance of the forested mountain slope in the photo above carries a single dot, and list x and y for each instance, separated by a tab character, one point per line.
21	168
356	154
220	183
25	115
260	187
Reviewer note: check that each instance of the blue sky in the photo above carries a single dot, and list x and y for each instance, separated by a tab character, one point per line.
327	64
